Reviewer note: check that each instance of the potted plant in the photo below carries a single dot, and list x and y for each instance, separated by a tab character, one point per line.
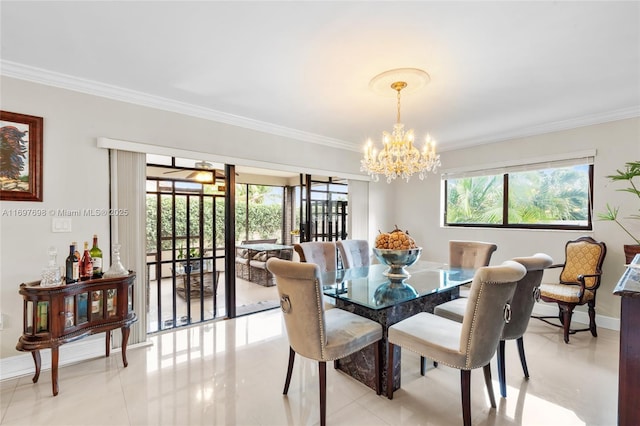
630	172
194	259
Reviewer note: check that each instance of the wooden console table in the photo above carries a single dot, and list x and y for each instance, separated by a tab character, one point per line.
57	315
629	371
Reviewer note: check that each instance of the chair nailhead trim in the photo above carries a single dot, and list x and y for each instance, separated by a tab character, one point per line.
323	339
473	322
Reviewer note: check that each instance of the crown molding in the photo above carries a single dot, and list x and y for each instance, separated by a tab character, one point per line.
64	81
555	126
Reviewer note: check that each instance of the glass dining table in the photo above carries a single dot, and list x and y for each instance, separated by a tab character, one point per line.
368	292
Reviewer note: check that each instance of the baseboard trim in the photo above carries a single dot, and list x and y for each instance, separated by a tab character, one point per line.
71	353
548	309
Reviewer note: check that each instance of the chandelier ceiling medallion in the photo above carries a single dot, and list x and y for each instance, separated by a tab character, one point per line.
398	157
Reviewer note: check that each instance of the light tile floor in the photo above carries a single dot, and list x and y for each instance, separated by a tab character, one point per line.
232	373
250	297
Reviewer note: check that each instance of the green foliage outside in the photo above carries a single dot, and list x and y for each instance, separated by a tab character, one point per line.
265	219
551	196
265	212
474	200
166	230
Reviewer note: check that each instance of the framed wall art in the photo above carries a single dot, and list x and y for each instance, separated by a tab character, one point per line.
20	157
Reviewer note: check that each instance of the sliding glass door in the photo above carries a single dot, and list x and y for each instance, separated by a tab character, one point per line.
185	245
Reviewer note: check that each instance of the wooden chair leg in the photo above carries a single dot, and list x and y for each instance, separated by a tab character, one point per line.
390	350
465	386
378	359
292	357
523	358
322	370
423	365
561	314
592	318
566	322
487	381
501	370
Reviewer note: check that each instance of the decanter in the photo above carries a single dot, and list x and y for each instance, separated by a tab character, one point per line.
51	274
116	269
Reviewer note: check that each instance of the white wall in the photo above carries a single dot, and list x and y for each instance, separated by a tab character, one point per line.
616	143
76	173
76	177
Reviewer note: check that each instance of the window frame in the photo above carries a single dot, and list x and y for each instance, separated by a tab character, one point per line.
505	203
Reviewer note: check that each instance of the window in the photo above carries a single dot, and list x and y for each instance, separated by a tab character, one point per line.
549	195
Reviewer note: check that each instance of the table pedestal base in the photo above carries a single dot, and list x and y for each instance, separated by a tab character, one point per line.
361	365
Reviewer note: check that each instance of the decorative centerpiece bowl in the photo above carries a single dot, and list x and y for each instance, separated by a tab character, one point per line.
396	289
397	261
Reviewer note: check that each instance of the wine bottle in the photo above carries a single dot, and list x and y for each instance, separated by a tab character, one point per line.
72	266
96	256
86	265
77	253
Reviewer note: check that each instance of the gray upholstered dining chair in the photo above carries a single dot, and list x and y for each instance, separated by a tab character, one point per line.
470	255
315	333
322	253
522	304
354	253
467	345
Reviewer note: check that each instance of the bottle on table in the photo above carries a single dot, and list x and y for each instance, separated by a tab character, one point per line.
51	274
96	256
72	266
86	264
77	253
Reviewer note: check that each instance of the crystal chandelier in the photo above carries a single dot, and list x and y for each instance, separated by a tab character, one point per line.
399	157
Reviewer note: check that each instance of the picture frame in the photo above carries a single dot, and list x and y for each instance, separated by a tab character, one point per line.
20	157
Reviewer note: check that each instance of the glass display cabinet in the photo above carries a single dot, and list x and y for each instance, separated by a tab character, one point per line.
61	314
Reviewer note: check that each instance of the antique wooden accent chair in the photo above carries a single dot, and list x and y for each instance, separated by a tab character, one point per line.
354	253
522	304
579	281
315	333
467	345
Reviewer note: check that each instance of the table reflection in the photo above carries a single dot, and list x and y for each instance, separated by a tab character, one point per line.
370	287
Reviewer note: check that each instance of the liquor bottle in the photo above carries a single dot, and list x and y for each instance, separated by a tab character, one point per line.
77	253
72	266
86	265
96	256
96	304
112	295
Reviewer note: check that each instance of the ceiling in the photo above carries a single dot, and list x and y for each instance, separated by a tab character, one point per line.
498	69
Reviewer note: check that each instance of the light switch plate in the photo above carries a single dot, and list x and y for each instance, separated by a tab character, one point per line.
61	224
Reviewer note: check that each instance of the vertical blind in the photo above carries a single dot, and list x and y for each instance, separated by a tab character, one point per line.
128	179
